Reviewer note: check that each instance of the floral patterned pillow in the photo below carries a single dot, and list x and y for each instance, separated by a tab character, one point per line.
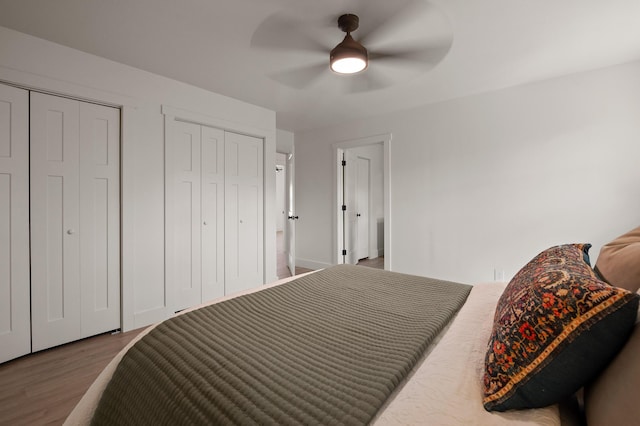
555	328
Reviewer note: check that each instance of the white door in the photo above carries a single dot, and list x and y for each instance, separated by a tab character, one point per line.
362	198
99	218
15	321
55	221
350	194
74	220
215	213
187	217
244	228
290	223
212	165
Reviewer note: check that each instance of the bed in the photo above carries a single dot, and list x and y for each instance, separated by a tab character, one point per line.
345	345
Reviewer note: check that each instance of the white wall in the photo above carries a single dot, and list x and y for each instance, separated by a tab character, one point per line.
39	64
486	182
284	141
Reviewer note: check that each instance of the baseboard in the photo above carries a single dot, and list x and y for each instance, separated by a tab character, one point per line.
373	253
311	264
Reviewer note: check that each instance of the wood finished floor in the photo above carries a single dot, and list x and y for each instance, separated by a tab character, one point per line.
283	269
43	388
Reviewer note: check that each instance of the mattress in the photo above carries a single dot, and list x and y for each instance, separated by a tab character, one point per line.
444	388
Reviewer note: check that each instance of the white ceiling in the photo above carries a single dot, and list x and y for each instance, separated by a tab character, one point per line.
259	51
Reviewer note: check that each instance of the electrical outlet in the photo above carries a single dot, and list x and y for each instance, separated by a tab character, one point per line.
499	275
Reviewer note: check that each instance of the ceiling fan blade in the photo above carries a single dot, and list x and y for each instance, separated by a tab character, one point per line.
386	17
302	77
280	32
418	56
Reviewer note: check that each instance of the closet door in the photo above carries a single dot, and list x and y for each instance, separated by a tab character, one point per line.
99	218
15	331
212	165
55	221
75	246
215	217
187	254
244	227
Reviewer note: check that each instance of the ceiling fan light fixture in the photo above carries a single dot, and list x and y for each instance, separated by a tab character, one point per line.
348	65
348	57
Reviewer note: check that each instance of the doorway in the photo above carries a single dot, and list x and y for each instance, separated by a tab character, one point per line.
362	201
285	215
281	254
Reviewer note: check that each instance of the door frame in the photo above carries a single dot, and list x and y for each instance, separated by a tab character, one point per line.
128	118
289	231
338	149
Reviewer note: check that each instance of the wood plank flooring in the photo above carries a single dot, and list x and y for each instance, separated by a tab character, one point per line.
283	269
377	262
43	388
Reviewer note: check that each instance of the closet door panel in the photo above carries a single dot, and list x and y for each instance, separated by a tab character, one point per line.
249	233
244	225
187	216
55	248
15	321
99	218
212	165
232	273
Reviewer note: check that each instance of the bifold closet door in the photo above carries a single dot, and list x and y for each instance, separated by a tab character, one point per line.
215	211
213	232
75	269
244	227
99	218
198	213
186	210
15	321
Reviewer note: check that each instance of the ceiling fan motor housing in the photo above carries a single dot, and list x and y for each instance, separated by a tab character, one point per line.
348	48
348	22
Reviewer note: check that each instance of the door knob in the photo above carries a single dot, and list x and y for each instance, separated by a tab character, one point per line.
70	231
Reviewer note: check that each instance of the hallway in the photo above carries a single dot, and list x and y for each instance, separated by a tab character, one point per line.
283	270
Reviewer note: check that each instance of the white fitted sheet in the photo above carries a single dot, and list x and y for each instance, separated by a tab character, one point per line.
446	387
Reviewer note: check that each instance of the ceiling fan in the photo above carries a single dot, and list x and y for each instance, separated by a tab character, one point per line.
402	39
348	57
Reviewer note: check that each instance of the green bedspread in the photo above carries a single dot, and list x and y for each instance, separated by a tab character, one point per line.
326	348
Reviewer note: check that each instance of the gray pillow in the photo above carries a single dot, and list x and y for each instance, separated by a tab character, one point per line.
613	398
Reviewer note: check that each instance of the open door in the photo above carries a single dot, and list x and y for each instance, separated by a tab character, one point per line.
350	165
377	199
290	223
362	206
